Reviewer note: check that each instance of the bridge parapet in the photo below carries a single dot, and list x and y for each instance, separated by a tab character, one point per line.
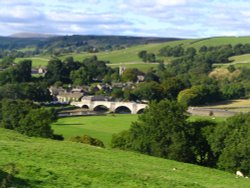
112	106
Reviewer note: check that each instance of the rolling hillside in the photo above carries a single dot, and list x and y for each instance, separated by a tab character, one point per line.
48	163
237	61
128	57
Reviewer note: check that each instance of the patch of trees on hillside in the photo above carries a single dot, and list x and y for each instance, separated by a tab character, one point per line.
211	54
165	131
27	118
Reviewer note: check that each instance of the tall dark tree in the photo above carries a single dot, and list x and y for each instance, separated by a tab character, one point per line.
37	123
149	91
24	71
12	111
161	131
230	144
55	71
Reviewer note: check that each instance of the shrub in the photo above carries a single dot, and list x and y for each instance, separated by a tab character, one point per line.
85	139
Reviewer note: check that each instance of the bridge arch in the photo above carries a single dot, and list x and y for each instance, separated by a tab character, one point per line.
140	111
85	106
123	110
101	108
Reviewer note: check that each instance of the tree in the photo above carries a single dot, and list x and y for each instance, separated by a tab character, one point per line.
190	52
200	131
172	87
130	75
80	77
147	57
151	57
143	55
32	91
117	93
24	71
151	76
231	68
149	91
199	94
230	144
162	130
13	111
27	118
17	74
232	91
7	62
37	123
203	49
188	96
55	71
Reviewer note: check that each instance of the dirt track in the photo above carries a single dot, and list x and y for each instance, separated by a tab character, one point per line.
210	112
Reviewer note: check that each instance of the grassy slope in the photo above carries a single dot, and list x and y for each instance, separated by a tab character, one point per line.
47	163
237	61
217	41
128	57
36	61
101	127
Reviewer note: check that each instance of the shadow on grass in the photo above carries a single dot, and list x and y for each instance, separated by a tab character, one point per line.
64	124
227	102
9	180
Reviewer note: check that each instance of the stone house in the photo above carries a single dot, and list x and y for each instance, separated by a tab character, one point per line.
67	97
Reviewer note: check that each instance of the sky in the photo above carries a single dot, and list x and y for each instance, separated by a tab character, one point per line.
160	18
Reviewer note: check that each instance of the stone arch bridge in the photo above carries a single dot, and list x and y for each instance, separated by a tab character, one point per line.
133	107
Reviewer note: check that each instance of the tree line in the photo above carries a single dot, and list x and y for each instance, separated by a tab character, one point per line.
164	130
27	118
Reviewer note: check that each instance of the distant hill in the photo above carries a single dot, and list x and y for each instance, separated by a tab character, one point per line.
74	43
31	35
47	163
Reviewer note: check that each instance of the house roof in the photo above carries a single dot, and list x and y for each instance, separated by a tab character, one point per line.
76	95
97	98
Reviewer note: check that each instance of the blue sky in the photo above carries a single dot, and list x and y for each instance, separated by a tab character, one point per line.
163	18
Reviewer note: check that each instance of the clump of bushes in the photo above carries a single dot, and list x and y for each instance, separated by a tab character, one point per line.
85	139
28	118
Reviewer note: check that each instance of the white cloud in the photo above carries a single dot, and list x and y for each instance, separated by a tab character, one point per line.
170	18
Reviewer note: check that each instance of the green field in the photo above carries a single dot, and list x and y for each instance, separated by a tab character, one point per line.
237	61
125	55
101	127
129	56
217	41
141	66
36	61
215	119
44	163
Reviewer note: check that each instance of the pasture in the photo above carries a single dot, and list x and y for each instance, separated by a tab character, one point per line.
130	55
237	61
236	105
194	118
36	61
101	127
218	41
48	163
